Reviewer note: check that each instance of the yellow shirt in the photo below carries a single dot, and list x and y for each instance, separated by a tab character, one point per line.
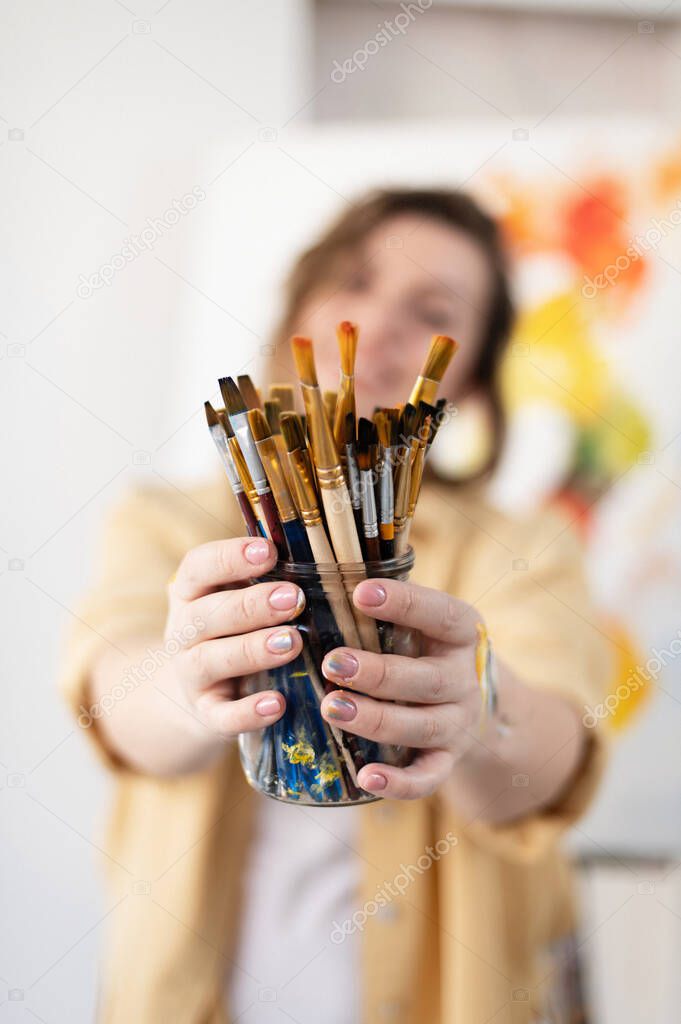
467	940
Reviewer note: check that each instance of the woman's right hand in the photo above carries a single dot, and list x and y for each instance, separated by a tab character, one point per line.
235	629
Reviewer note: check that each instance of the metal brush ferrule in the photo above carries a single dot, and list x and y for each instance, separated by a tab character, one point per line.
242	470
311	517
369	516
220	439
244	436
386	487
424	390
331	478
353	477
267	450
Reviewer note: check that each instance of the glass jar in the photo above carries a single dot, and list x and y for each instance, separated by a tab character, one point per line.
302	758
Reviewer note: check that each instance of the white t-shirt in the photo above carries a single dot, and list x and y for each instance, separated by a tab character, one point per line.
302	875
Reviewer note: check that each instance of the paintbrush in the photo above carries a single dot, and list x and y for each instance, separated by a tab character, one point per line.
249	392
333	489
347	335
245	476
423	431
285	395
439	356
406	450
293	528
237	413
439	417
332	486
219	435
365	463
387	423
273	413
307	504
352	475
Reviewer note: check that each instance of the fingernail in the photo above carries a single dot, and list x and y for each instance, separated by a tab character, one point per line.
268	706
257	552
374	782
340	665
281	642
372	594
341	708
286	597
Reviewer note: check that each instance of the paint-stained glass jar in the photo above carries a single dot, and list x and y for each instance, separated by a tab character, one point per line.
301	758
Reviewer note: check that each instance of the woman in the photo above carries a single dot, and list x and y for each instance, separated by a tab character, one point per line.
448	901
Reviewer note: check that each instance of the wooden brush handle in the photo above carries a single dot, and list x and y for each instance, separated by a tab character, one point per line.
274	524
334	589
341	522
249	515
402	539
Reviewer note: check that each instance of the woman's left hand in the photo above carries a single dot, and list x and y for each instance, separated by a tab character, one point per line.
440	687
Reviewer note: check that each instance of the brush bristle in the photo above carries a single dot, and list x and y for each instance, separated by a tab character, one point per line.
350	428
439	357
303	356
409	422
283	393
394	422
234	403
292	429
273	414
224	422
249	392
382	421
365	433
211	415
347	334
437	419
258	425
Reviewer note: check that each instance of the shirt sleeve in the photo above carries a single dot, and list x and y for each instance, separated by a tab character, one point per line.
529	585
128	599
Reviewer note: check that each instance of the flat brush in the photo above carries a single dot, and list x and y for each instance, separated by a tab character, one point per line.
237	413
293	528
387	423
333	489
245	476
284	394
365	442
249	392
438	359
347	335
423	432
217	432
331	481
408	442
307	503
352	474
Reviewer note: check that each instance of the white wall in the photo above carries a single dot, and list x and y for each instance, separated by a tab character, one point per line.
106	117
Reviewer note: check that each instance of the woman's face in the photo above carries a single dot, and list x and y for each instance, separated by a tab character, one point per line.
413	278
